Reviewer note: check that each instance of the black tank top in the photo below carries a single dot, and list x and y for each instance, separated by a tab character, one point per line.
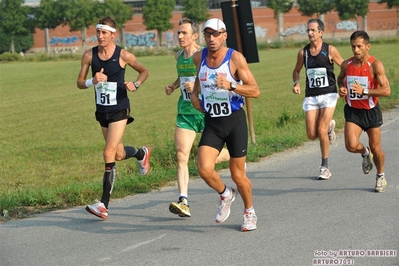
320	77
116	74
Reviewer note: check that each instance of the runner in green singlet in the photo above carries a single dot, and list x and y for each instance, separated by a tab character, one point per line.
189	121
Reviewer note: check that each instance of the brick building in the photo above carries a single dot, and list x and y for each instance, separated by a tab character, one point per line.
380	21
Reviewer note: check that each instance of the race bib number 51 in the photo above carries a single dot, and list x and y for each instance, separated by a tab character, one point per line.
106	93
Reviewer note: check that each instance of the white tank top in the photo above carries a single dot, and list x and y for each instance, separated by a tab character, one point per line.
218	102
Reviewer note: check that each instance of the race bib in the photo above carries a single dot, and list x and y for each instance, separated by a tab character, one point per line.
185	93
106	93
216	102
317	77
363	81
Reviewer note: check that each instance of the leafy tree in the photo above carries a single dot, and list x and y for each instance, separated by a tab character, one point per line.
14	20
348	9
121	13
318	7
196	10
49	15
391	4
22	43
157	15
280	7
80	15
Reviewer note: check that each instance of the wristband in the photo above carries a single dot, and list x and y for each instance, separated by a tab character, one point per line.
89	83
296	82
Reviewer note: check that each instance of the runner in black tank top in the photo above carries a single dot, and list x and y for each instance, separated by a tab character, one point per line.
321	95
115	73
108	62
316	85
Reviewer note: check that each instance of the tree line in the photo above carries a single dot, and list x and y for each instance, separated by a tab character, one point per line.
19	21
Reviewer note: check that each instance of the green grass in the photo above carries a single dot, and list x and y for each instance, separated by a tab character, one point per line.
51	145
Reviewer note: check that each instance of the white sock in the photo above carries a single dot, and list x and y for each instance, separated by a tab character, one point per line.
251	210
226	192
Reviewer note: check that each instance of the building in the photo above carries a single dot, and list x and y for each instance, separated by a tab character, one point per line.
380	21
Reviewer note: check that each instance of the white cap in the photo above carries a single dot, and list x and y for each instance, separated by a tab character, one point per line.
215	24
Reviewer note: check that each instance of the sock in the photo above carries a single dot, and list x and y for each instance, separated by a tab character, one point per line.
381	175
129	152
139	155
250	210
366	153
324	162
183	198
108	183
226	192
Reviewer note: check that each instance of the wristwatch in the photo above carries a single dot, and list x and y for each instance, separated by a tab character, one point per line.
136	84
365	92
233	86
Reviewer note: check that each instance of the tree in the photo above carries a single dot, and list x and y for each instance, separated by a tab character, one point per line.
348	9
391	4
280	7
121	13
80	15
48	16
14	20
196	10
157	15
22	43
318	7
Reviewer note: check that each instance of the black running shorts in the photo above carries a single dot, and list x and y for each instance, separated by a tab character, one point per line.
231	130
365	119
106	118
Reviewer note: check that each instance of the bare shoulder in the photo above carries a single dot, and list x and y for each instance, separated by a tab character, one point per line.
299	56
87	55
332	50
197	57
344	64
238	59
335	55
378	66
177	54
127	56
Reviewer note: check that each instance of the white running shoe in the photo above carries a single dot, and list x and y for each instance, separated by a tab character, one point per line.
144	164
380	184
223	210
367	163
98	209
249	223
325	173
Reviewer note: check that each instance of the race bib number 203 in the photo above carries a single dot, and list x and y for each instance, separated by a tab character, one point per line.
216	102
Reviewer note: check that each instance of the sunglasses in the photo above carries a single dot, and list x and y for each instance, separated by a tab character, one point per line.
312	30
214	34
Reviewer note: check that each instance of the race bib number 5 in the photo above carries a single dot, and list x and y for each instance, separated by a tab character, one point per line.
106	93
216	102
363	81
317	77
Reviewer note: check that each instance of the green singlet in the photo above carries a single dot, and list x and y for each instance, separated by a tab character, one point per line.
186	71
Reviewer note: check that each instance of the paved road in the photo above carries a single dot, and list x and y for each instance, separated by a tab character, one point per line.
300	220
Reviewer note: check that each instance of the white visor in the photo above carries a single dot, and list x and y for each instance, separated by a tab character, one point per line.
105	27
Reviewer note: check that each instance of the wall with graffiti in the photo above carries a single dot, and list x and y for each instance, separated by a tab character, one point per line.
380	21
